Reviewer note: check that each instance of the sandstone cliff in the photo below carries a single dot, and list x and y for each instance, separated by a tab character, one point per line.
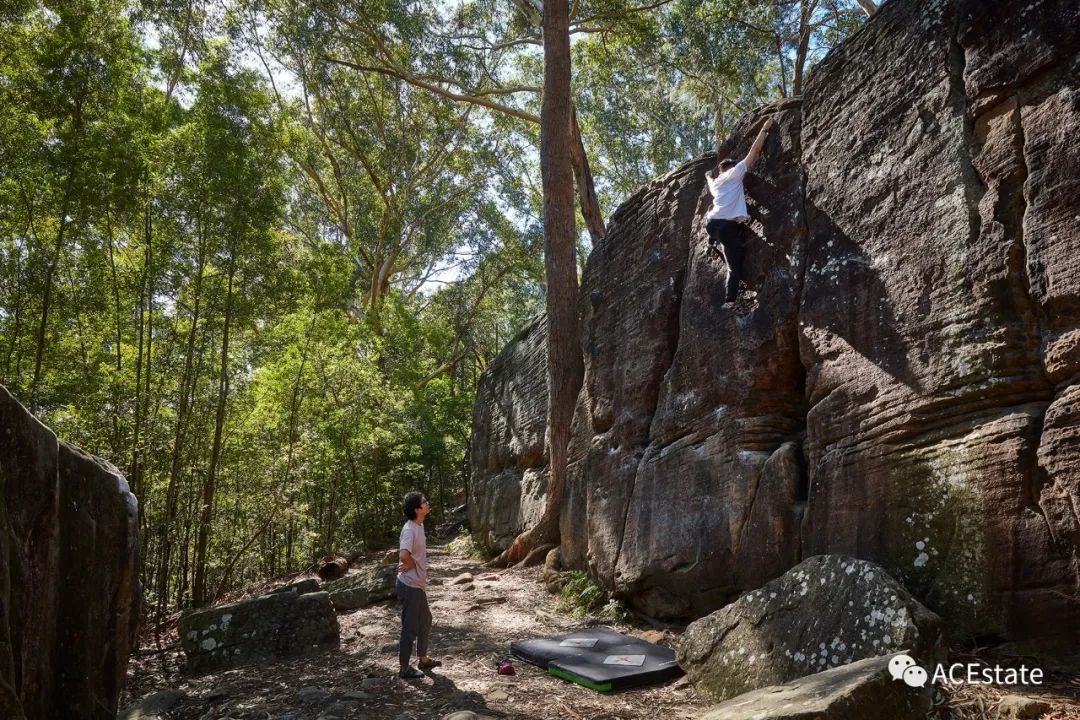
508	458
903	388
68	596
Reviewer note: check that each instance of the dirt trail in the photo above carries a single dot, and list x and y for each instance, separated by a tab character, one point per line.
473	627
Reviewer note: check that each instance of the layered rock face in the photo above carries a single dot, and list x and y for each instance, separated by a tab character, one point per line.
940	303
68	595
902	389
507	452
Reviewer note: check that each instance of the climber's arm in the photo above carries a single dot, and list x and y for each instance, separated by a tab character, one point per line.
752	156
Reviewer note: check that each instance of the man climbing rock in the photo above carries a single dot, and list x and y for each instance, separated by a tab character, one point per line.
727	218
412	588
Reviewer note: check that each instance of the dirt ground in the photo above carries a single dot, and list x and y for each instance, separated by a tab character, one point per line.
473	627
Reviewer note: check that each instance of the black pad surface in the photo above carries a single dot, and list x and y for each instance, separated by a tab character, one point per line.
600	656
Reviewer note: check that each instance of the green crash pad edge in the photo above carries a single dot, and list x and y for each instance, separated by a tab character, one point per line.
605	687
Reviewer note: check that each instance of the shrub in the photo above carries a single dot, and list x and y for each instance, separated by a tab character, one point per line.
464	546
583	596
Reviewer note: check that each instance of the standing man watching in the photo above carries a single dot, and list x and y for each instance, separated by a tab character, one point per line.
412	589
726	221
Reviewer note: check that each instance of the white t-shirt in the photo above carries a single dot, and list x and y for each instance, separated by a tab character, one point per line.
729	198
412	539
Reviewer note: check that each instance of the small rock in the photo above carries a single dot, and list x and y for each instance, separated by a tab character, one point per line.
462	579
390	557
653	636
466	715
152	706
338	710
497	695
308	585
1018	707
489	578
389	648
371	682
313	695
468	588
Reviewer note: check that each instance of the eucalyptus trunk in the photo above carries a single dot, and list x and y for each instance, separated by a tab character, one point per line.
206	509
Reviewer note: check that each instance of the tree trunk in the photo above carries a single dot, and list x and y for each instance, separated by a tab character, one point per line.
806	11
590	206
116	447
161	585
564	361
39	352
17	289
13	382
206	511
136	459
780	56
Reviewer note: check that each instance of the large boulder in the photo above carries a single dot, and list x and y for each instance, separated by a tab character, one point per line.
278	625
691	414
863	689
69	592
941	305
904	386
828	611
363	588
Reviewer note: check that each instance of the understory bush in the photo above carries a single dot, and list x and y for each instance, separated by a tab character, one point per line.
465	546
582	595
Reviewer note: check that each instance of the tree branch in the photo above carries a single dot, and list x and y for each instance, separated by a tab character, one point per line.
443	92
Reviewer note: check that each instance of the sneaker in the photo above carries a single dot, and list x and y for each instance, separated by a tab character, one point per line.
429	664
410	673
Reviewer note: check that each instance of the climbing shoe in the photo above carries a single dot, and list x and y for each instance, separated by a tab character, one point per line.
428	664
410	673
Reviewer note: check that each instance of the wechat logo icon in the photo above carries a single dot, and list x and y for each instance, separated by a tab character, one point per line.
903	667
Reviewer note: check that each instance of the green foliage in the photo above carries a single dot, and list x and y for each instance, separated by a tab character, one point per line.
582	596
465	546
178	296
246	257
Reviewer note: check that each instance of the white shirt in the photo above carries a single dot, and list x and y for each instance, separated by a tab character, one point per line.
413	540
729	198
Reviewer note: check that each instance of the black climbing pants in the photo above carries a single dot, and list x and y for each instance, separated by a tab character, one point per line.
415	622
731	236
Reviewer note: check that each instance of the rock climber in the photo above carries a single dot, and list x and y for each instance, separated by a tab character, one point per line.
727	218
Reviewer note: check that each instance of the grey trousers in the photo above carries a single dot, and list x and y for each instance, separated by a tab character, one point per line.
415	622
